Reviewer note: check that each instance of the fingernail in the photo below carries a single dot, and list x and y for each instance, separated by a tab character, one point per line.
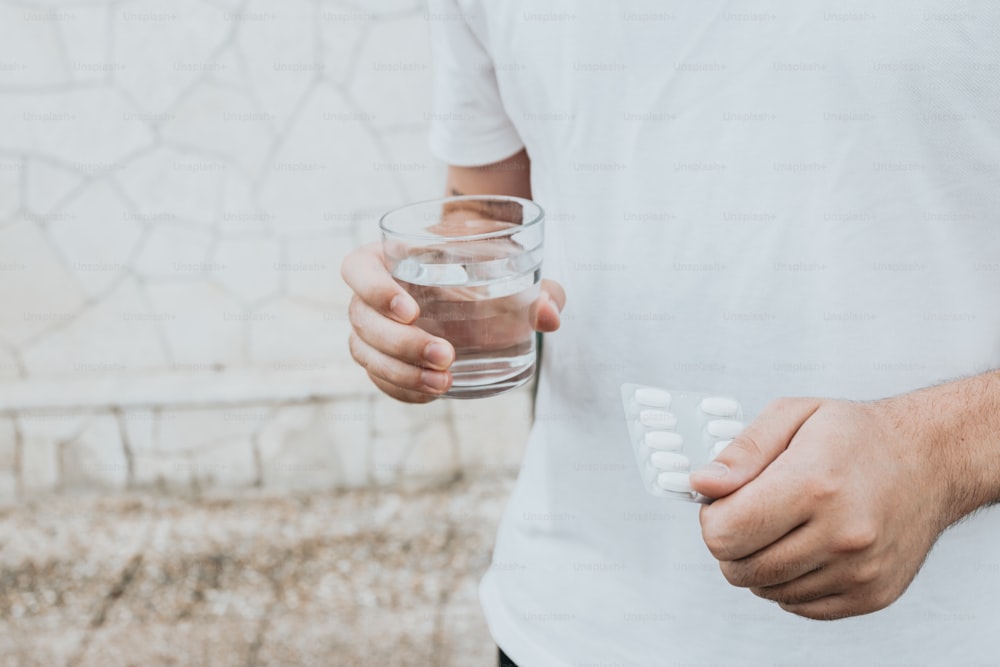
438	354
403	307
713	469
434	380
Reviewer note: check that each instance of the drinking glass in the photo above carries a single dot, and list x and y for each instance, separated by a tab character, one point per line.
473	265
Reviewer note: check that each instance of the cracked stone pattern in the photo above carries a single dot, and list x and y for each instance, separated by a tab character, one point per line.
355	578
238	149
179	182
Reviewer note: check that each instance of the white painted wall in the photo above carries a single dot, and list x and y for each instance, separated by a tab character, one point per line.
179	182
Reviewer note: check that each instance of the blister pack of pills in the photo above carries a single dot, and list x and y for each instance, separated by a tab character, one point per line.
675	432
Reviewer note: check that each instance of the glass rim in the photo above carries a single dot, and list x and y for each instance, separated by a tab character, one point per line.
525	204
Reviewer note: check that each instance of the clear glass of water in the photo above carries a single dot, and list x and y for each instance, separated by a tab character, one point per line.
473	264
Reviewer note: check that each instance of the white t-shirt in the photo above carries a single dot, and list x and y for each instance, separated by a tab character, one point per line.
762	199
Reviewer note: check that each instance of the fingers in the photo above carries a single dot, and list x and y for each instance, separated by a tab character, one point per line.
402	360
755	448
399	393
767	510
556	291
545	312
814	585
749	517
846	587
789	559
854	580
400	341
799	573
395	372
829	608
365	272
754	518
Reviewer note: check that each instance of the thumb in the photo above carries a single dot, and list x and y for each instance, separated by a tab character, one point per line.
545	311
755	448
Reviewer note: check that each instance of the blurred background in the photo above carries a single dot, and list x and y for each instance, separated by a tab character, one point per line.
192	469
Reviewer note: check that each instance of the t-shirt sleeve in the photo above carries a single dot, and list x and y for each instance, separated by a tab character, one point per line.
469	125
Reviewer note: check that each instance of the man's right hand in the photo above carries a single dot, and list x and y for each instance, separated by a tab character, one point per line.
403	360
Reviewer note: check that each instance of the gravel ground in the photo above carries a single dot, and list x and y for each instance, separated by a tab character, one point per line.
358	578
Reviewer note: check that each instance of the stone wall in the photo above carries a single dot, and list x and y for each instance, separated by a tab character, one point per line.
179	182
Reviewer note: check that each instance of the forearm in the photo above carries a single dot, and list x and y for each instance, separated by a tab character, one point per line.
958	425
511	176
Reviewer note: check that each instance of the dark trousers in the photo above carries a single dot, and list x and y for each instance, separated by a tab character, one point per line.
503	660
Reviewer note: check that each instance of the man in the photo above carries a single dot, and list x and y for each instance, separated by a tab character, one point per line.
761	201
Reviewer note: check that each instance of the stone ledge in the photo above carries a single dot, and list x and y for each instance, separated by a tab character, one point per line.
180	390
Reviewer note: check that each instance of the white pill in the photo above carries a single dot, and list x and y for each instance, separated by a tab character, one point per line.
674	481
719	446
724	428
718	406
652	396
658	419
663	440
668	461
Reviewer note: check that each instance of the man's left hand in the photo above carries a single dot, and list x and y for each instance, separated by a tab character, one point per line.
827	507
